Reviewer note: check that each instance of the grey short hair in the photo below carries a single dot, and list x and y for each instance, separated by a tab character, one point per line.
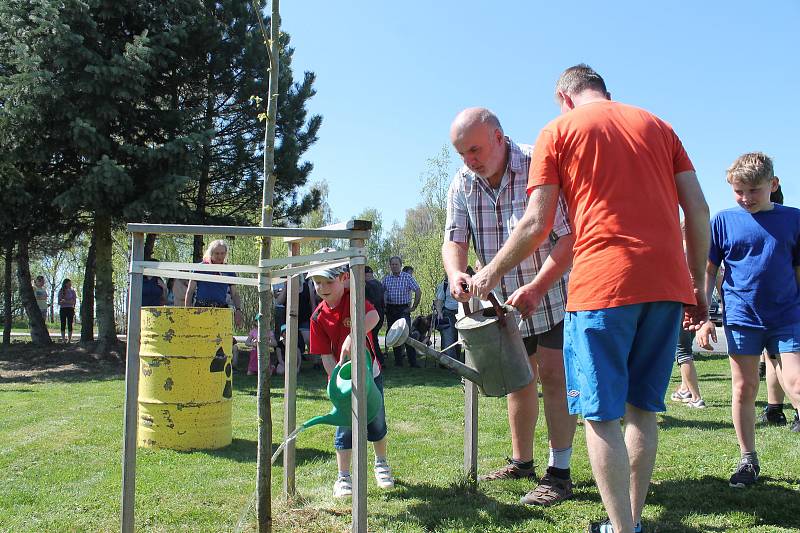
579	78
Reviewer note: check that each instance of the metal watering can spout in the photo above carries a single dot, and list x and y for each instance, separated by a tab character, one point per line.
398	335
497	360
340	387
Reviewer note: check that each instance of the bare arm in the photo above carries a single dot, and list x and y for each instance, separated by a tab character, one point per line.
187	299
328	362
417	298
698	233
526	237
238	318
528	297
708	330
370	321
454	258
163	287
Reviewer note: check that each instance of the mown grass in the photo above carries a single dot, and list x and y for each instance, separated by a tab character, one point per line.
60	449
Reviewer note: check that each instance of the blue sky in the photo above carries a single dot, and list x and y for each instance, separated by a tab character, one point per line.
392	75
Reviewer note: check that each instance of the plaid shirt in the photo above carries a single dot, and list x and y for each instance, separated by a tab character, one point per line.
487	216
398	288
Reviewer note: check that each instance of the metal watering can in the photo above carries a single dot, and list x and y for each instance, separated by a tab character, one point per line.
497	360
339	392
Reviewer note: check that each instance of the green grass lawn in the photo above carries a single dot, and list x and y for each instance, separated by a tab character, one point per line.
61	437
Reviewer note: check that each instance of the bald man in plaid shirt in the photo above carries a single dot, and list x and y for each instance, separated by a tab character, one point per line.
486	200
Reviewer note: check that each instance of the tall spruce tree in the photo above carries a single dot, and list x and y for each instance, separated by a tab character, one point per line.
225	81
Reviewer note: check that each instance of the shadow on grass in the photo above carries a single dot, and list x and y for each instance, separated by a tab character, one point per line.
25	362
244	451
666	421
773	505
437	506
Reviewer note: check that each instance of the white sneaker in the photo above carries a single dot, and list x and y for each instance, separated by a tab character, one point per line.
383	475
343	487
697	404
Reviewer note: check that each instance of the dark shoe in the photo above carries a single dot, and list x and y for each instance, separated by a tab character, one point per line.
606	527
549	491
414	365
746	474
772	417
795	424
510	471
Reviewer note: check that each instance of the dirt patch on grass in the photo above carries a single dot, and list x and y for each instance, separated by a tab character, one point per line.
24	362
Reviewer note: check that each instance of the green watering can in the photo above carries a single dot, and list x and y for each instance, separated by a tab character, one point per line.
339	392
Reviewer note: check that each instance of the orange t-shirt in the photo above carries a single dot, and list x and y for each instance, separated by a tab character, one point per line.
616	167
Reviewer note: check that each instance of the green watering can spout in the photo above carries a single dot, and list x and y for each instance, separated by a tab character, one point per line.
339	393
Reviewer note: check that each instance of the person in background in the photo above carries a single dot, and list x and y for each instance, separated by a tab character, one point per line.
408	269
773	414
41	295
398	287
446	308
212	294
176	291
374	293
154	292
67	300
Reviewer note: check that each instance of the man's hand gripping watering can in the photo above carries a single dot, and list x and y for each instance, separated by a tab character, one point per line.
497	360
339	392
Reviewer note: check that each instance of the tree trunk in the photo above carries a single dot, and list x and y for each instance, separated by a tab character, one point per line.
7	300
149	245
39	333
104	289
87	294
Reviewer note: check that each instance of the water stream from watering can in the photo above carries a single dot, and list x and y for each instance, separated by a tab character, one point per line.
293	435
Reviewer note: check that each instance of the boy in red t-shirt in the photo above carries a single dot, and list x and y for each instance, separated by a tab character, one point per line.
330	339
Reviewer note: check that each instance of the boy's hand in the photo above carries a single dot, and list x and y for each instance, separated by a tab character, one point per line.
346	347
706	331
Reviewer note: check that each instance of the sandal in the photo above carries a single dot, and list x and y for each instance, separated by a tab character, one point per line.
549	491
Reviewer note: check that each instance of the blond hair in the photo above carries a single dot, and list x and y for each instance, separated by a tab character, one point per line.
210	248
751	168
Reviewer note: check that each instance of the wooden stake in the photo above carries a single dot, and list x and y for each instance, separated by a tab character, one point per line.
290	377
358	356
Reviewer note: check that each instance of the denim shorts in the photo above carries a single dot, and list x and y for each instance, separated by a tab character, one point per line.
376	430
619	355
752	341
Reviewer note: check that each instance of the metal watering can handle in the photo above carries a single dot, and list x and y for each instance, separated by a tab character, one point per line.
498	309
501	312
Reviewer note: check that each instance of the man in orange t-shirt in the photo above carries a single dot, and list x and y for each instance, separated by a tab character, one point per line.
623	173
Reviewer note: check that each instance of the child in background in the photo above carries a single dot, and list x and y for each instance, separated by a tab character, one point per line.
330	338
759	243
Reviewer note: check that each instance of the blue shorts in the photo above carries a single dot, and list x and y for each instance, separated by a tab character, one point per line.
376	430
752	341
619	355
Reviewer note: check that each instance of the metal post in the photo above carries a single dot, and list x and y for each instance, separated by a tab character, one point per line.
132	387
471	432
290	376
358	356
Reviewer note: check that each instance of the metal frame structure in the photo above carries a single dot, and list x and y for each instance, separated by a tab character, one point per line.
269	270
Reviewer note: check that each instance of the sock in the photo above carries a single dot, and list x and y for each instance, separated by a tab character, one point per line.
560	457
774	407
637	528
380	460
750	457
344	474
524	465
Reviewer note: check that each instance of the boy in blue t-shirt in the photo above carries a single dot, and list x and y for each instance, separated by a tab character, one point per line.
760	244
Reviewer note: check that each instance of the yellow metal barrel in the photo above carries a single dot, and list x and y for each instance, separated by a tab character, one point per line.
185	385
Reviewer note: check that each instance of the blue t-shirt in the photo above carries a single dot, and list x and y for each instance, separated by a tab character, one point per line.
209	291
760	251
